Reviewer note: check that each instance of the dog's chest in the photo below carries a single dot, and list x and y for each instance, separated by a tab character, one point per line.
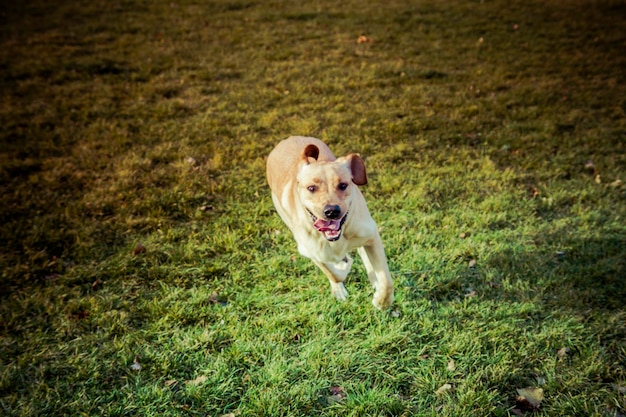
314	246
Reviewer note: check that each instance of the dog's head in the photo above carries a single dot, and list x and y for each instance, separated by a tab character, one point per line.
326	188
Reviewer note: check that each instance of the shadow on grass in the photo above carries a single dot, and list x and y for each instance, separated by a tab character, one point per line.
579	276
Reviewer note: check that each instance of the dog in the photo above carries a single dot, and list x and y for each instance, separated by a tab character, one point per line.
318	198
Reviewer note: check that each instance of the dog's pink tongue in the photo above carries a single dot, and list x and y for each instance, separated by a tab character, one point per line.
326	225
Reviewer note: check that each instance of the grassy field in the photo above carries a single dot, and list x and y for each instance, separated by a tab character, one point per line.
144	271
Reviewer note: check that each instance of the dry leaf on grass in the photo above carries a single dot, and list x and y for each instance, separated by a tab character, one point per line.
529	399
590	167
337	395
198	381
139	249
469	292
444	389
563	352
213	298
451	365
136	366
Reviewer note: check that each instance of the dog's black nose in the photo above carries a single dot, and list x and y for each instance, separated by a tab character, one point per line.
332	212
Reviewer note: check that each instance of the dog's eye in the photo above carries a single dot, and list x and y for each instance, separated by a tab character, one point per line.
312	188
342	186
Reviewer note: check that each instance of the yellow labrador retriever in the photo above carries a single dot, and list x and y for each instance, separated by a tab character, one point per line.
317	196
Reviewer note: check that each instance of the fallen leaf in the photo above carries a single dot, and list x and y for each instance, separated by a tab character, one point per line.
96	284
198	381
136	366
563	352
444	389
139	249
213	298
451	365
338	395
364	39
333	399
82	314
616	183
171	382
472	263
529	399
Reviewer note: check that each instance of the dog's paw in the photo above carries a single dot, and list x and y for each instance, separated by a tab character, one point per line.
382	300
339	291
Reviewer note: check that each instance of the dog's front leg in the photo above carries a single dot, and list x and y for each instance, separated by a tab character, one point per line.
337	274
375	262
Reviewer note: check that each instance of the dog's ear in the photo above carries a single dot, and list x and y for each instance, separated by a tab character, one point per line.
311	151
358	169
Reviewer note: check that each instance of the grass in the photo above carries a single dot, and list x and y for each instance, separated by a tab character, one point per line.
145	271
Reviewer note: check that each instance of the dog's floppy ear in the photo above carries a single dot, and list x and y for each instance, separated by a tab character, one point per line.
311	151
358	169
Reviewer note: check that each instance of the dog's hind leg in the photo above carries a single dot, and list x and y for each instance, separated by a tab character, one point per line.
337	274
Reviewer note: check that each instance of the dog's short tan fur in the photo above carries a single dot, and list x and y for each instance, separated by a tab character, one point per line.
317	196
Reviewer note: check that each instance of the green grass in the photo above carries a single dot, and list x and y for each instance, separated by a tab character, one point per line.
494	136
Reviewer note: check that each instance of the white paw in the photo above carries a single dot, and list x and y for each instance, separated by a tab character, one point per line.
382	300
339	291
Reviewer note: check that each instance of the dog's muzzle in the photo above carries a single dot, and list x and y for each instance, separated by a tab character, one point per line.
331	229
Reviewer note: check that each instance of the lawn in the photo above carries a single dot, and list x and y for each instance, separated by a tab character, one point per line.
145	272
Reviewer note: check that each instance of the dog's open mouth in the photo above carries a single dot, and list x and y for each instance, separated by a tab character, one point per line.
331	229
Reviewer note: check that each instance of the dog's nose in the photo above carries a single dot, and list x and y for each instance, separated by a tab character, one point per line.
332	212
